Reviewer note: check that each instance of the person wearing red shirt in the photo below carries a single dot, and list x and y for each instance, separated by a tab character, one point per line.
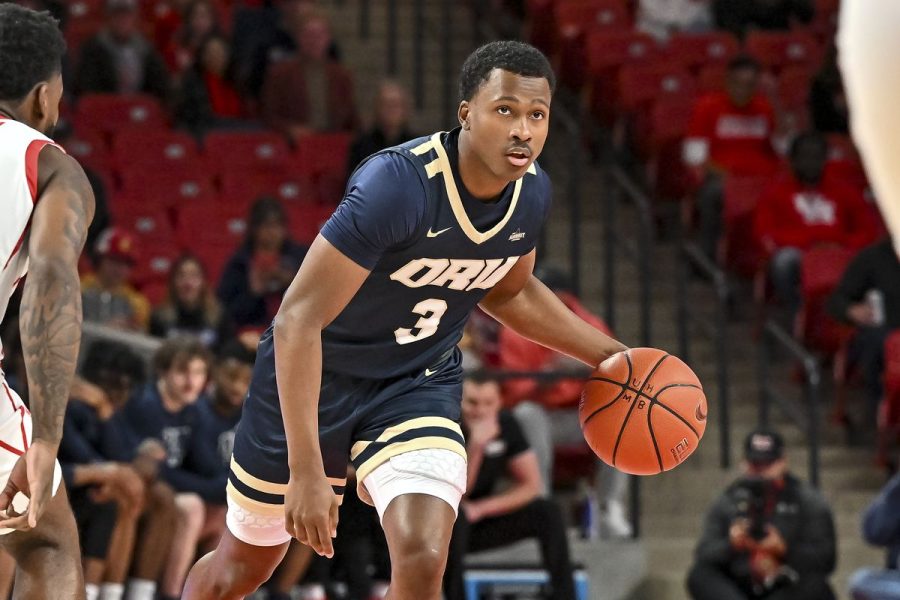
730	134
806	208
548	412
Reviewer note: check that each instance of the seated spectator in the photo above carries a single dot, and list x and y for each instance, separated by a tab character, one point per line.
740	16
310	92
827	100
256	277
107	295
191	307
203	475
391	127
662	18
868	297
104	468
207	97
769	535
197	24
490	518
548	412
805	208
881	527
730	134
119	59
166	410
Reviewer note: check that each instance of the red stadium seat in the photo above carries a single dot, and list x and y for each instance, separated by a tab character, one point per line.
240	151
167	187
90	150
321	153
641	84
820	271
793	87
575	17
700	50
111	112
611	49
154	148
541	27
154	263
305	220
711	78
245	187
211	222
738	247
152	225
778	49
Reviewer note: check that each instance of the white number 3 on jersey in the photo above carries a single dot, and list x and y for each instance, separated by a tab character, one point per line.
431	310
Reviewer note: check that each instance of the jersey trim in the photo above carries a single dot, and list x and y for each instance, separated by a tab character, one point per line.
456	204
31	165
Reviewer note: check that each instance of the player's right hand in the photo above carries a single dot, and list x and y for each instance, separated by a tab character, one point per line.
311	512
33	476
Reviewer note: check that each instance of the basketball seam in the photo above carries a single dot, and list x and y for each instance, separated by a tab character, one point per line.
680	418
653	437
619	395
652	398
633	404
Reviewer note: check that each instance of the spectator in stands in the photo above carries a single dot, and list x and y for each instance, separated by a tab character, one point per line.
198	24
191	307
741	16
730	134
310	92
769	535
504	18
490	518
881	527
203	475
107	295
207	97
256	277
119	59
102	460
827	100
548	411
166	410
662	18
868	297
391	127
804	208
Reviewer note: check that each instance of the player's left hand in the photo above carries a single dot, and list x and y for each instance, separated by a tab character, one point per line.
311	512
33	476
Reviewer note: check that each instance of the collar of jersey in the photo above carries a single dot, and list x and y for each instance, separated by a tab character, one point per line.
456	204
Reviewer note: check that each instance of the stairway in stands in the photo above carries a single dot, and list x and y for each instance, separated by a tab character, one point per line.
673	504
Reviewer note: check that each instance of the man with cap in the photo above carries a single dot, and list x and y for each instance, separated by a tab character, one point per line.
107	295
119	59
769	535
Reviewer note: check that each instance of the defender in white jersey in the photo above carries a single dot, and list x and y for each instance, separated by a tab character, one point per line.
46	206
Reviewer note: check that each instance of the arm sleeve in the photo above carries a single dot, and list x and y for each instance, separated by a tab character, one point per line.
383	207
881	521
851	289
814	551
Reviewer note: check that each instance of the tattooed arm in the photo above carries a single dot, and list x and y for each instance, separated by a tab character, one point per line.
50	322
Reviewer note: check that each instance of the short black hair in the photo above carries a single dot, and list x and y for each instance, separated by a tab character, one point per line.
31	50
516	57
744	61
813	138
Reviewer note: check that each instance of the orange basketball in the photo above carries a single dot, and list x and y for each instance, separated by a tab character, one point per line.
643	411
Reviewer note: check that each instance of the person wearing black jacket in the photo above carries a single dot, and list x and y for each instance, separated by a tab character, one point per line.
769	535
881	527
874	273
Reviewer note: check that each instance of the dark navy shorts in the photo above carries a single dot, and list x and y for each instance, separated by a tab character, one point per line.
362	421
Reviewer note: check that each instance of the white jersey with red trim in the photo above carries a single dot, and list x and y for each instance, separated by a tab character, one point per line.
20	147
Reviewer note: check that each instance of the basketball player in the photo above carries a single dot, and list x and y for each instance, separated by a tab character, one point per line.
46	206
361	361
869	43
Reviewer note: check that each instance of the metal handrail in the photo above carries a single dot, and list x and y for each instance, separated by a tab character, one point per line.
805	416
690	258
640	251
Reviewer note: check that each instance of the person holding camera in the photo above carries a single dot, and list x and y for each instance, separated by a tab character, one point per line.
769	535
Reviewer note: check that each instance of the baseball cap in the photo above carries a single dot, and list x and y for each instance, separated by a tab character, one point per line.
763	446
116	243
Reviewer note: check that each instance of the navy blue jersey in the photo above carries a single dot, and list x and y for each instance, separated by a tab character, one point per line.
147	416
434	251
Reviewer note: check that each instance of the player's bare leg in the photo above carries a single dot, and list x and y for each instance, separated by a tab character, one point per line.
234	570
418	529
48	558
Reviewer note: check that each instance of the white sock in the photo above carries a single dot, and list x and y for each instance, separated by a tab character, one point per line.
91	591
141	589
112	591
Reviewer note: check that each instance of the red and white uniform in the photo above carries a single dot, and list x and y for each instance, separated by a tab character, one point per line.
20	147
